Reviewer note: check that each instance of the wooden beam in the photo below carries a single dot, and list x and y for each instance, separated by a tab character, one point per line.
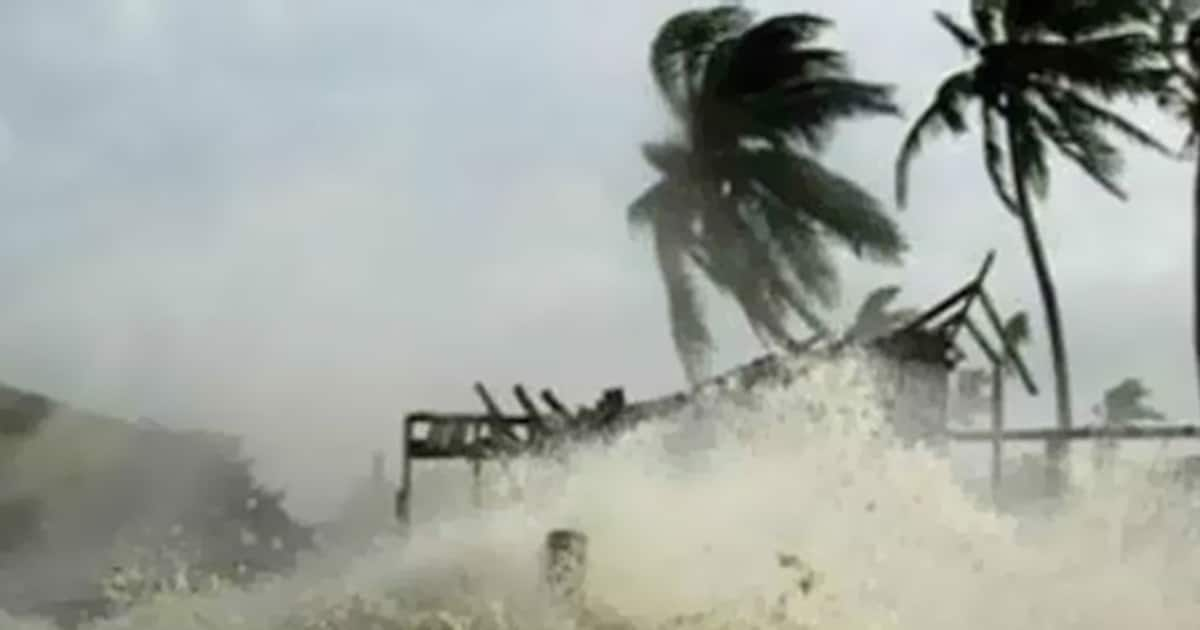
955	323
1009	349
538	426
495	417
554	403
1128	432
430	418
982	342
938	309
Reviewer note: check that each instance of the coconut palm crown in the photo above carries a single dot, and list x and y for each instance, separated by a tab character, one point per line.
741	196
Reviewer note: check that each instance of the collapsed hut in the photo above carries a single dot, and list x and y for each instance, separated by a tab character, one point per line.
912	367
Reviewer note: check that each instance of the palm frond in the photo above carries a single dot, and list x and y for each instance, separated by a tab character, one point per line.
1081	142
1073	105
994	158
810	107
965	38
752	74
1124	64
793	243
693	342
642	210
762	304
1029	154
800	248
986	20
1074	19
839	205
669	157
679	52
944	113
735	260
792	28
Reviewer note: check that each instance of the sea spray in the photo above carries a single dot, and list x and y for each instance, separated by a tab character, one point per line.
799	511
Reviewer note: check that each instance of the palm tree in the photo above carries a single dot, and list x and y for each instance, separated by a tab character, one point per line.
741	197
1041	77
1179	38
1122	405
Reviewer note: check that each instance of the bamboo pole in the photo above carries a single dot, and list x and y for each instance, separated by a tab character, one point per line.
1081	433
997	429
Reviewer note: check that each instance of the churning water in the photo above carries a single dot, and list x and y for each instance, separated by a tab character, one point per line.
688	520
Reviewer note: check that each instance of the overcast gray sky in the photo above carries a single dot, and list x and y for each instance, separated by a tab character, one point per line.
296	220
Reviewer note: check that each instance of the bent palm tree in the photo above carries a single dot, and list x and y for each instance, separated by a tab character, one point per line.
1041	78
741	197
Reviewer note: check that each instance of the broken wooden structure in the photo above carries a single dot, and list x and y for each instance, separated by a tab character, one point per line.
914	378
1004	357
494	435
949	317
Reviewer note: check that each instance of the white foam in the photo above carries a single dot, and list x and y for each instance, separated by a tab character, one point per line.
892	539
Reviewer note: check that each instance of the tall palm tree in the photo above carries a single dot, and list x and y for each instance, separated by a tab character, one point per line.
1042	74
741	196
1179	39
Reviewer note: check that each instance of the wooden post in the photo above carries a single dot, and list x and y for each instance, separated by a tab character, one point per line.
566	567
537	426
404	492
997	429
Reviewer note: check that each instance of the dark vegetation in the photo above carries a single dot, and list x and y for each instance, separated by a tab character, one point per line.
87	490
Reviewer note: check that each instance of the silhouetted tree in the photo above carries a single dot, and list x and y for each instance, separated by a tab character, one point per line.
742	197
1041	74
97	489
1124	403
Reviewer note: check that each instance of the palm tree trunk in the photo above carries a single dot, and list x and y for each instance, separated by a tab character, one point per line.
1056	450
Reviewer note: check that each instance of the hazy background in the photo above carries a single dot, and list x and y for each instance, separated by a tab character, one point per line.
297	220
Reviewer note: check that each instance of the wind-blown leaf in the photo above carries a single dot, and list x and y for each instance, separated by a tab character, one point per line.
944	113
